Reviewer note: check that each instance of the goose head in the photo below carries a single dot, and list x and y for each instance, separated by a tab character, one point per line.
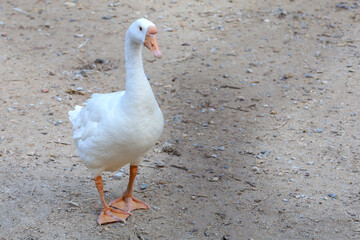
142	31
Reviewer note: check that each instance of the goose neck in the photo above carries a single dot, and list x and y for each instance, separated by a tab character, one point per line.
133	59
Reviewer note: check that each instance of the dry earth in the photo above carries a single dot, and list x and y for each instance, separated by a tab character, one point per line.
261	101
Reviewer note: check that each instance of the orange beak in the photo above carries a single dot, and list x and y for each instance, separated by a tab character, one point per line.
151	43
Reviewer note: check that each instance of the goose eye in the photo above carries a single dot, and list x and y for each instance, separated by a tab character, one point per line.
140	28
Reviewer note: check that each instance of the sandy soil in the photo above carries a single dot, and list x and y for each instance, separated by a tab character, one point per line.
261	102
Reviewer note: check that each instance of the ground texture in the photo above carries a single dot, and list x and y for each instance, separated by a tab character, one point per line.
261	102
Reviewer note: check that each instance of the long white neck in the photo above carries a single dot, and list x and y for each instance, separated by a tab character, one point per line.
137	86
133	59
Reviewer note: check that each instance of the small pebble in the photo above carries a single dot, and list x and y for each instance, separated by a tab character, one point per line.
58	123
222	148
255	169
106	17
119	174
308	75
169	29
70	4
342	5
44	90
78	35
214	179
249	70
265	153
159	164
31	154
144	186
332	195
240	98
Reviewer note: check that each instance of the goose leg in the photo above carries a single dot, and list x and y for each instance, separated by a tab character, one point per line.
108	214
127	202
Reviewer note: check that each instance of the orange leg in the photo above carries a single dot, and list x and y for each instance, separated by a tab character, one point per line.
127	202
108	214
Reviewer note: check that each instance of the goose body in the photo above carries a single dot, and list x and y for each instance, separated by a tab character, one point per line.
115	129
110	132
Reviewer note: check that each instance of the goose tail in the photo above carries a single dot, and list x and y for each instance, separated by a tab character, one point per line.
73	114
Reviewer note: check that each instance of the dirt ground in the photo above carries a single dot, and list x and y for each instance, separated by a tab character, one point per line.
261	103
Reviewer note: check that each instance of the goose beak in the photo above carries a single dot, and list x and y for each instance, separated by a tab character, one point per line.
151	43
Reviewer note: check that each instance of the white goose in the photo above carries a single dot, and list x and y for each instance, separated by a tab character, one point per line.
116	129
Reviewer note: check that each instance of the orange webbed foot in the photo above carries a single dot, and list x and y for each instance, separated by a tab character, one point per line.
128	204
111	215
